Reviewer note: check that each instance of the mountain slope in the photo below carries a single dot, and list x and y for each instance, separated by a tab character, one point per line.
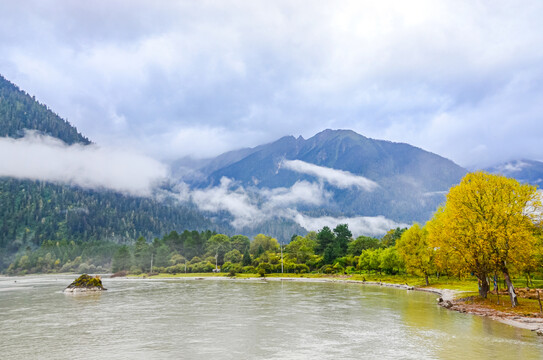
412	182
32	211
20	111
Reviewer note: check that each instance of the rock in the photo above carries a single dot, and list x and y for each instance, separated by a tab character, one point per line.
439	300
539	332
446	304
85	283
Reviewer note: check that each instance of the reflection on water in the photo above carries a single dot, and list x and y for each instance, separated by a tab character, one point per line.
243	319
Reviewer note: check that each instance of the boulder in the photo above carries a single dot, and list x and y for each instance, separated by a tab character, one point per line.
85	283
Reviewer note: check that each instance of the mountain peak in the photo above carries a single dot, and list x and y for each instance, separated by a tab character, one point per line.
329	134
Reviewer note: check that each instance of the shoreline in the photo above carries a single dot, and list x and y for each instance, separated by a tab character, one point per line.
447	298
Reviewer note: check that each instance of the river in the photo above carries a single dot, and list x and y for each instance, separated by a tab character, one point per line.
243	319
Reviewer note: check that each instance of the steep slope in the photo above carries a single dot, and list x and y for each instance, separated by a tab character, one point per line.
412	182
20	111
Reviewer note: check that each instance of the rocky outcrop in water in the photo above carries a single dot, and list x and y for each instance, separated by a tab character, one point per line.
85	283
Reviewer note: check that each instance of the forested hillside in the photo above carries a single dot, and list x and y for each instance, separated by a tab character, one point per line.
20	111
33	212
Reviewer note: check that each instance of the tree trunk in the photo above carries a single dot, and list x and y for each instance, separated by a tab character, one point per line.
510	288
483	287
426	279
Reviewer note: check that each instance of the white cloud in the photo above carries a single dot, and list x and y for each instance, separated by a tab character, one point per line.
250	207
302	192
359	225
339	178
38	157
515	166
228	197
252	71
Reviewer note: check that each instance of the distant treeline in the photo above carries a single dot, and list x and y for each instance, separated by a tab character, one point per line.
328	251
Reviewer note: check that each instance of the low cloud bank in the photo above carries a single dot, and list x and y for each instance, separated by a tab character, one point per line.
250	207
338	178
40	157
359	225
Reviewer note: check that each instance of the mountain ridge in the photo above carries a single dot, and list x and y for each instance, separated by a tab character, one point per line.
399	168
19	112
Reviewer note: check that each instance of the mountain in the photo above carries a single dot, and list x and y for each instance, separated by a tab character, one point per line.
34	211
411	182
354	175
20	111
525	171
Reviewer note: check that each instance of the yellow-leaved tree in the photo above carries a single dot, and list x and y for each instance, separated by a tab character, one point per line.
414	250
488	224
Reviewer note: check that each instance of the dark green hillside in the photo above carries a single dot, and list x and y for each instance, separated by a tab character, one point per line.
19	111
32	212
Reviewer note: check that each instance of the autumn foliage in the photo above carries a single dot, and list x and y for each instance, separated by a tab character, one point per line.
489	224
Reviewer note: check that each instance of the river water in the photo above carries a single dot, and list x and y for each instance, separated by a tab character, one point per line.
243	319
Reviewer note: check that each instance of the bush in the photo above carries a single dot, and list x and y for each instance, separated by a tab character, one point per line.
327	269
249	269
136	270
301	268
267	268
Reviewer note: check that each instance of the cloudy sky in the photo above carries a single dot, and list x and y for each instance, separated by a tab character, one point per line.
463	79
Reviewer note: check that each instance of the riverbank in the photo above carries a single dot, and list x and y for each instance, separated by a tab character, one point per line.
461	297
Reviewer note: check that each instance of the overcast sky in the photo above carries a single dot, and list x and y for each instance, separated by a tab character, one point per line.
463	79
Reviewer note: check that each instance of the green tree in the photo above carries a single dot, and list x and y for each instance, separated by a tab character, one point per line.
342	238
361	243
392	236
301	249
246	261
240	242
325	238
142	254
390	262
218	245
163	254
262	243
122	259
233	256
415	251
